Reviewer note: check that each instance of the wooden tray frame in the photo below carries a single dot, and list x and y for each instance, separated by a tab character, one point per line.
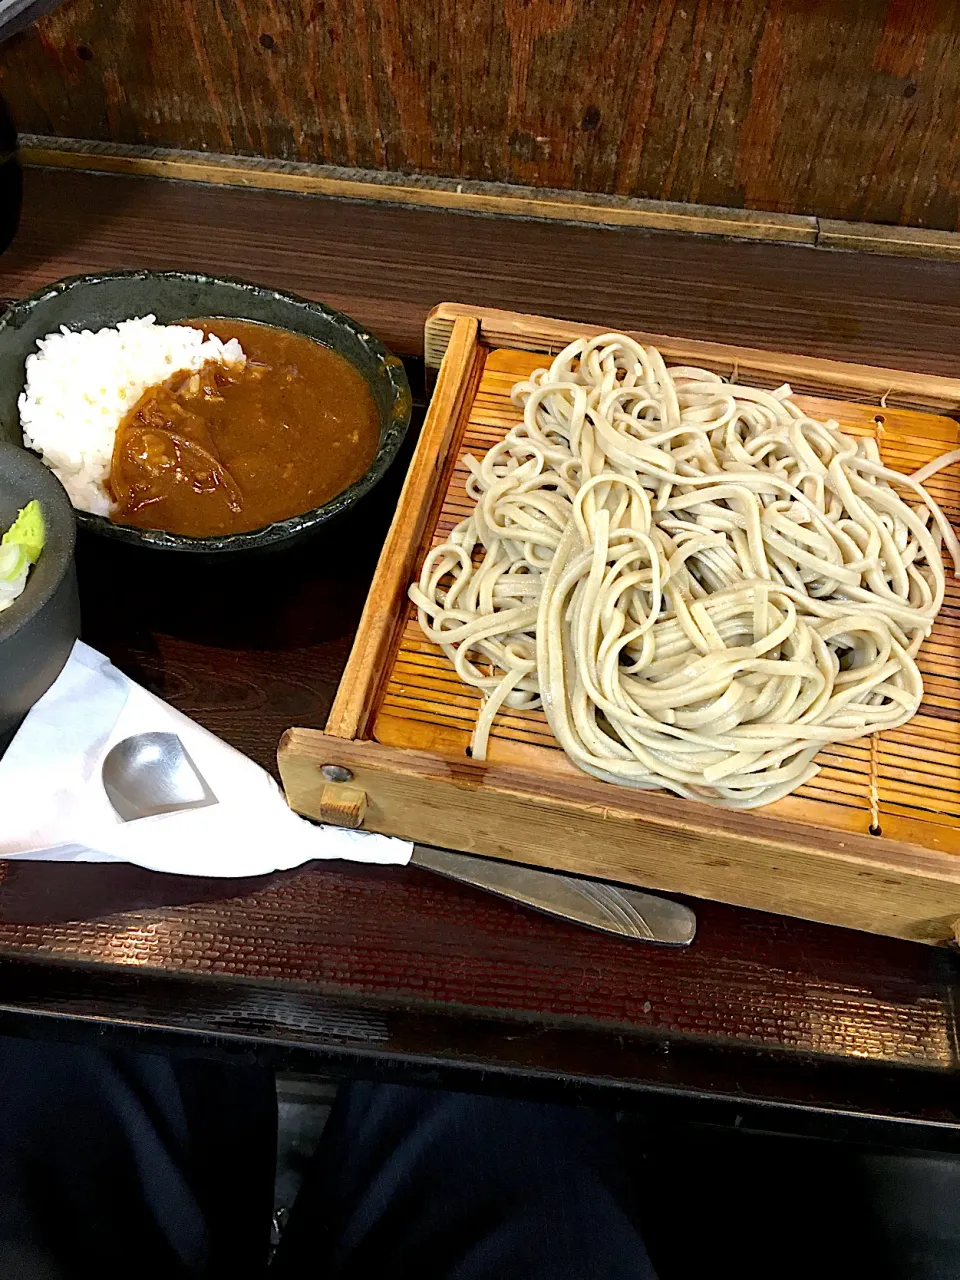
576	823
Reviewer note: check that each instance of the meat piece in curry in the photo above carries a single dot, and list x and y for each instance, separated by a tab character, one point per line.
233	448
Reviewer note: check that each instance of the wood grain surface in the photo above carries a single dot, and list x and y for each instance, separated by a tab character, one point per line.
866	384
804	106
862	844
389	268
423	704
380	939
354	705
357	963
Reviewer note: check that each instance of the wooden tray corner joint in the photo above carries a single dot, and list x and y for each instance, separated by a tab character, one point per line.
392	757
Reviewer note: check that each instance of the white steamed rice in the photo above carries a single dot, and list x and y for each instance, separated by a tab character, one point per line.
80	385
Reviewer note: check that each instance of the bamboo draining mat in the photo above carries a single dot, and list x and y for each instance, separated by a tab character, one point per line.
871	842
915	770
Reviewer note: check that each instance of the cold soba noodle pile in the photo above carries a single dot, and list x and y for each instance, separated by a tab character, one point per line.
702	586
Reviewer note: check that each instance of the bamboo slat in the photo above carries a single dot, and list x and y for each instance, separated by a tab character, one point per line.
916	769
858	382
871	842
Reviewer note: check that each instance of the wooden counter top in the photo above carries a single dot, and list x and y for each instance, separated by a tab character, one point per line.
390	971
389	266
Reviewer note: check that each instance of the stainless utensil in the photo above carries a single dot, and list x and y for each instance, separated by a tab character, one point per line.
627	912
151	773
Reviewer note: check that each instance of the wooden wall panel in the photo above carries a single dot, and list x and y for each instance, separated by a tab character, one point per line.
842	108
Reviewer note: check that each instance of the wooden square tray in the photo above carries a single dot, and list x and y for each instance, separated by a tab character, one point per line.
872	842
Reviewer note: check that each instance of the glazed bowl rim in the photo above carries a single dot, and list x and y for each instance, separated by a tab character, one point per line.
26	607
392	431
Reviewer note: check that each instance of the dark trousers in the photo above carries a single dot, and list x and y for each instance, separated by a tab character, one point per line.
156	1166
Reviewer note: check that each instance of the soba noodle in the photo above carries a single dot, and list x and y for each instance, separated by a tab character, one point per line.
700	585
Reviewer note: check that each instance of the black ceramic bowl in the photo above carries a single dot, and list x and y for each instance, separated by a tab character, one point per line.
92	302
38	630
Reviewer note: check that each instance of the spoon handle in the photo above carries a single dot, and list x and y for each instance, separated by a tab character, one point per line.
644	917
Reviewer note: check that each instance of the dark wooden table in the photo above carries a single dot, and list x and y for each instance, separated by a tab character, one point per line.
346	969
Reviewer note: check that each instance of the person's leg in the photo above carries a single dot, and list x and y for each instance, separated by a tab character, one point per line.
439	1186
845	1210
154	1165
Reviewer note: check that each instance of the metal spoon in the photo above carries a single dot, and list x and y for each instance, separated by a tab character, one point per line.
629	913
151	773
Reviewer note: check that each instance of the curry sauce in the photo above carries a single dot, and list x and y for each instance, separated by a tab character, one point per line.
232	448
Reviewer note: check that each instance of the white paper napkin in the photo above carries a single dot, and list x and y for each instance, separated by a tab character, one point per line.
53	806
